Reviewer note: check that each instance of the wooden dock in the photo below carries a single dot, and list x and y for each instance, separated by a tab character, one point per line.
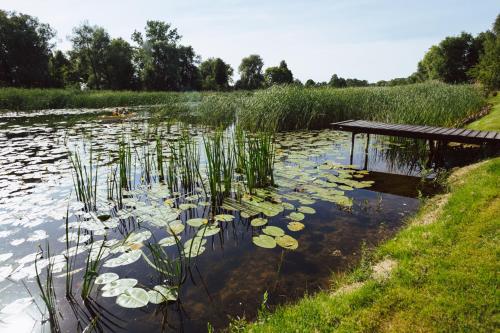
443	134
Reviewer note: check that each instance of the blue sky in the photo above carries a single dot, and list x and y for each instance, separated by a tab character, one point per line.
366	39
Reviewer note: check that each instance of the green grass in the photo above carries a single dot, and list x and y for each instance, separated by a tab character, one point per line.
446	279
490	122
292	107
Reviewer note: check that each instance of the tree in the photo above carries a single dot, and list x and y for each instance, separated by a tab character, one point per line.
162	62
119	69
90	45
58	69
250	70
215	74
25	49
451	60
487	71
337	82
278	75
310	83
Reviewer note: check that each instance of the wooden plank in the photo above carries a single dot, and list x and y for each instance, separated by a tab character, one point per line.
491	135
473	134
458	131
482	134
466	132
449	131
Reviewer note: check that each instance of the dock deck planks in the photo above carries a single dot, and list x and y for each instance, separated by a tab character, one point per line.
422	132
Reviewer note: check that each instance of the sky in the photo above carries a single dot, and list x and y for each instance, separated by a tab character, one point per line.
365	39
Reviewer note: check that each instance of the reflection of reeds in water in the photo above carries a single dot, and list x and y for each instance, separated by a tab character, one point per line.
171	270
85	180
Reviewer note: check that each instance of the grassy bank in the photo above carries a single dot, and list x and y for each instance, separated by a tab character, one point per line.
443	276
430	103
490	122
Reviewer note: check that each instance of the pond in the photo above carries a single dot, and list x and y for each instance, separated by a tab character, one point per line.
124	209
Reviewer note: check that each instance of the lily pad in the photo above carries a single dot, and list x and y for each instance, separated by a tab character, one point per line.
168	241
161	294
296	216
264	241
124	259
133	298
208	230
175	228
224	218
120	283
106	278
287	242
306	210
197	222
273	231
258	222
186	206
295	226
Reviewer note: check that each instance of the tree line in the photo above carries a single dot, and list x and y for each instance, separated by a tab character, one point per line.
157	60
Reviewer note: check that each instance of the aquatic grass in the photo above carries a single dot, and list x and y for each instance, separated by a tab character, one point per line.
259	160
160	157
125	164
92	266
85	179
220	166
292	107
47	291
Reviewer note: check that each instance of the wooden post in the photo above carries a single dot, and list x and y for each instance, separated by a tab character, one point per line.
352	146
366	150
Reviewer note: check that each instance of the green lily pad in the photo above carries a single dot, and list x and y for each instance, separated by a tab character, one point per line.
295	226
264	241
208	230
120	283
287	242
288	206
124	259
106	278
224	218
133	298
296	216
175	228
306	210
198	222
162	293
258	222
273	231
168	241
186	206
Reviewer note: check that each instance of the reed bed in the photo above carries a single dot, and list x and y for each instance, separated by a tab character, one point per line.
292	107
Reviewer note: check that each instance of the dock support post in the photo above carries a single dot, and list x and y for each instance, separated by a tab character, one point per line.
352	146
366	150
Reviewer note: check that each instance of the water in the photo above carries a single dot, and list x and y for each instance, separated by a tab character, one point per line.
226	281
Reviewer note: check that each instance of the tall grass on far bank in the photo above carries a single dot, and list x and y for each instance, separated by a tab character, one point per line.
292	107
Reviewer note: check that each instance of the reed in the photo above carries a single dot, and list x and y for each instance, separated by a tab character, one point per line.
220	166
85	180
47	292
92	267
292	107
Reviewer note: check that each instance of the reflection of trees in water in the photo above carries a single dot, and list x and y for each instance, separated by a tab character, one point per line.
402	155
